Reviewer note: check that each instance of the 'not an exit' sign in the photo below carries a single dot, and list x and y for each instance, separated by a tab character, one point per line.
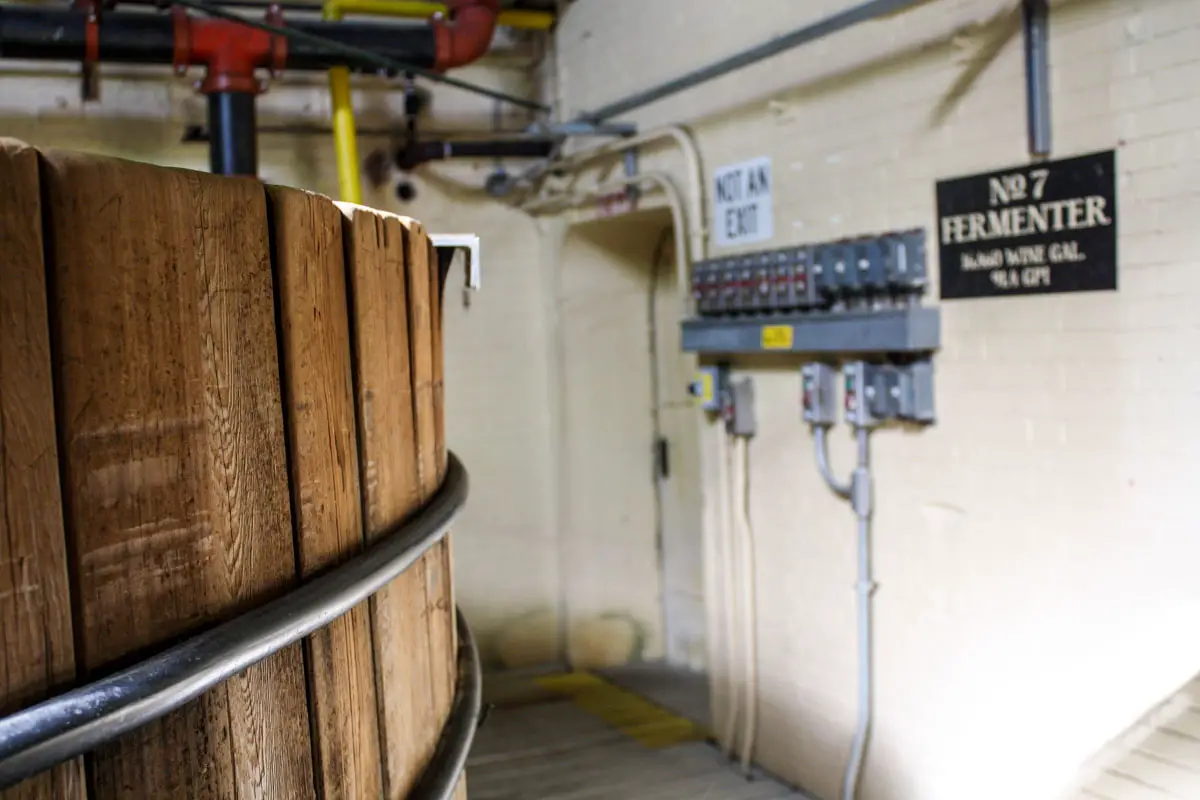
742	212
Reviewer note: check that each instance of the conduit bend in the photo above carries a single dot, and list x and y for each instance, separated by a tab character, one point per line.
467	34
660	180
694	178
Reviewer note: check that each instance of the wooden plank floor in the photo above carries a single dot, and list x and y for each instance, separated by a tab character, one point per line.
540	743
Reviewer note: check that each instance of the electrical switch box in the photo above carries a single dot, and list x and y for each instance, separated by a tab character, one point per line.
877	393
818	393
916	392
707	388
883	392
857	377
738	408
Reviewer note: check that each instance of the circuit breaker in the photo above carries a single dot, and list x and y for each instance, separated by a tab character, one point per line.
863	273
818	393
903	256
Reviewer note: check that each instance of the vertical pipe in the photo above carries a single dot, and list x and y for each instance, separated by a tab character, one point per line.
1036	18
861	498
750	606
729	598
233	137
345	137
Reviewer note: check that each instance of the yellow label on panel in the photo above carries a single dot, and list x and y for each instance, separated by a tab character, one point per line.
707	393
777	337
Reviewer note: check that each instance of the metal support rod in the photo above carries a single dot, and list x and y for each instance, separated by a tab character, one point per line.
1036	17
81	720
449	761
233	136
872	9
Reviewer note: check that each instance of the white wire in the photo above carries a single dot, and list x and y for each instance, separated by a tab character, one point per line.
714	611
729	601
749	607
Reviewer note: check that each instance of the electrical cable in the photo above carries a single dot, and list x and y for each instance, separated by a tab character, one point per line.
350	51
842	490
750	611
865	586
729	602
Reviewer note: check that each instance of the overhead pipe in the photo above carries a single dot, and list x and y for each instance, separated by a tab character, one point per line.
466	34
40	33
872	9
1036	22
414	154
517	19
462	39
863	12
233	51
511	18
694	187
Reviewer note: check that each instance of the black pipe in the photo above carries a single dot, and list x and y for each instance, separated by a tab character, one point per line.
233	143
136	37
417	153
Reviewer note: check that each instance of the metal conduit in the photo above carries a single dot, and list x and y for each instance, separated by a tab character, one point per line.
80	720
869	10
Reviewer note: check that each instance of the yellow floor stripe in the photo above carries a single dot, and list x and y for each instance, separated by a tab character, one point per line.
636	717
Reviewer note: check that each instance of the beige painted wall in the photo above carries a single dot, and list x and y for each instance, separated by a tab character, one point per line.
1035	550
604	435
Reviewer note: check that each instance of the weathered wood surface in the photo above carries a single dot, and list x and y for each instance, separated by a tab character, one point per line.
174	469
387	260
439	409
319	409
37	653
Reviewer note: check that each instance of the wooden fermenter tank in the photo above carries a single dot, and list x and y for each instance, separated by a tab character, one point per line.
211	391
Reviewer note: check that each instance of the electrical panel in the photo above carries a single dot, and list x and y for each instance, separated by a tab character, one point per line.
871	272
858	295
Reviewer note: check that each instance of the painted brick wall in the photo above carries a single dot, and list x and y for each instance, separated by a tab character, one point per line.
1036	550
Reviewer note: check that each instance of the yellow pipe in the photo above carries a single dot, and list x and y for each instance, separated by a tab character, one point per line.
345	137
524	20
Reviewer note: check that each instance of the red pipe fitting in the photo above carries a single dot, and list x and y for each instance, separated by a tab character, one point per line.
231	51
467	35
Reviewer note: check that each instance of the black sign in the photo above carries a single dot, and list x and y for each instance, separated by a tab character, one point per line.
1042	228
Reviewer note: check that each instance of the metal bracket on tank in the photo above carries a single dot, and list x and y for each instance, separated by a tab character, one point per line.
448	244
